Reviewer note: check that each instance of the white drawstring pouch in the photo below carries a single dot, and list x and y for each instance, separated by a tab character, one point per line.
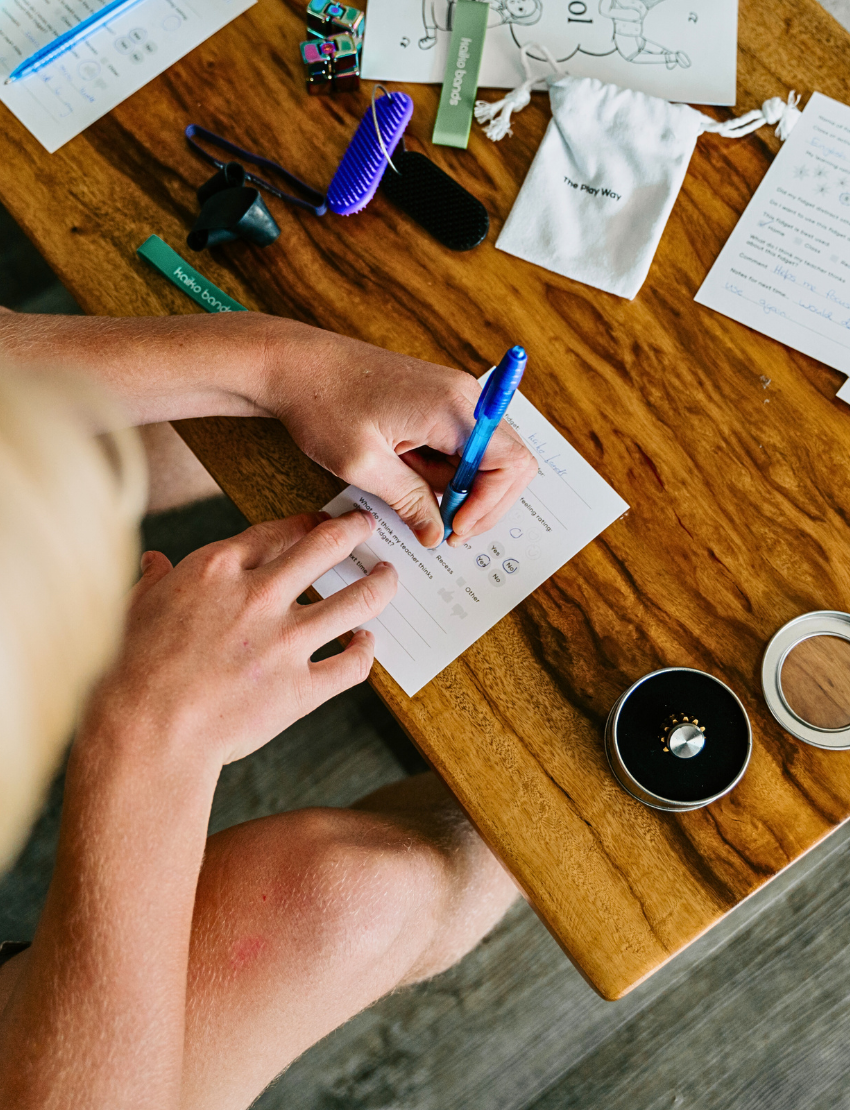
601	187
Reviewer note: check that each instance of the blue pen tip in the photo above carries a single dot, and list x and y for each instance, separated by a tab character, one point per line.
517	352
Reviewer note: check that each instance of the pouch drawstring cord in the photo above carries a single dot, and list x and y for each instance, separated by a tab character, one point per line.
497	115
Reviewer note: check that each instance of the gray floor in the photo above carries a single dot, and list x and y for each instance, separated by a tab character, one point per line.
755	1016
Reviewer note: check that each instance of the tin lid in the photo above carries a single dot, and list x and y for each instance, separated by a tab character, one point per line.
683	737
811	701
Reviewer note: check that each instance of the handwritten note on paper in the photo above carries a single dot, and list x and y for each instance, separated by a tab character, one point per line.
785	269
61	100
447	598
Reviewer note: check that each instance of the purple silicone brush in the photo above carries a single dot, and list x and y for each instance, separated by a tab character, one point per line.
362	167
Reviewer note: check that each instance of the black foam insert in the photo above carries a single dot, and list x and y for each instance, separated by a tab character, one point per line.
436	201
643	716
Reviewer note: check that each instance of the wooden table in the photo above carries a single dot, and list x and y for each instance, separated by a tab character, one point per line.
739	491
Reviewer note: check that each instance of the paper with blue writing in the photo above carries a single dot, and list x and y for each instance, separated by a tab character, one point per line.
61	100
785	269
447	598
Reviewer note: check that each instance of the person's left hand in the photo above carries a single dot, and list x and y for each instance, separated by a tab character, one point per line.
394	426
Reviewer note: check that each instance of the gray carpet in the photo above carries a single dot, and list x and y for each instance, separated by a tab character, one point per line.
754	1016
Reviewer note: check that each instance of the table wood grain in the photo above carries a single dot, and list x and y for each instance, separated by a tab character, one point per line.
730	449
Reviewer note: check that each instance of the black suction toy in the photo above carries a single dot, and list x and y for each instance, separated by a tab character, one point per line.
230	210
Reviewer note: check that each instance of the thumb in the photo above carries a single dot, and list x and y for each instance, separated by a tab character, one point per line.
155	566
409	494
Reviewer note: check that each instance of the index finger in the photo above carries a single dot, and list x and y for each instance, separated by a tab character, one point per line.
506	469
319	550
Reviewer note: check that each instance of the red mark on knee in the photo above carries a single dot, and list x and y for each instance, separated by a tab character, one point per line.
245	951
264	897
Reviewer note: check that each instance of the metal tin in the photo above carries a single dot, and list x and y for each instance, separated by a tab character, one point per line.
683	704
825	622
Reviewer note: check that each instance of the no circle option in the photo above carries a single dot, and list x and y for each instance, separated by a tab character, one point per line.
510	566
497	577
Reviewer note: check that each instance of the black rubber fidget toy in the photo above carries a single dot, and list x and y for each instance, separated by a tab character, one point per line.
435	201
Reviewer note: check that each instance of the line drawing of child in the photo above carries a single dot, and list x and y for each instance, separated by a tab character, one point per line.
438	15
627	17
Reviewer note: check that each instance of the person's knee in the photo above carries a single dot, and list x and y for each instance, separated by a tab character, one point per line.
334	886
367	889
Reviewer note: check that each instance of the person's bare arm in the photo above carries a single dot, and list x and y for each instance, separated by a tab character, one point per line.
216	662
158	367
360	411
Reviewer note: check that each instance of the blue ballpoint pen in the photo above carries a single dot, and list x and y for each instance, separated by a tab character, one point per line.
492	406
70	39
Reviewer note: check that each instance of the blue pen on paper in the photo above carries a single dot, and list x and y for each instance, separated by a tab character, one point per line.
70	39
492	406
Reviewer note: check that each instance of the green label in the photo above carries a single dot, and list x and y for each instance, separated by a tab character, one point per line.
178	270
460	84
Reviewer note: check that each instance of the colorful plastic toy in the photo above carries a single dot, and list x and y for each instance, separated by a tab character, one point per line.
333	64
326	18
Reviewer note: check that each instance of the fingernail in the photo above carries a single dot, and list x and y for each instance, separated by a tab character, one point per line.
146	560
381	564
373	524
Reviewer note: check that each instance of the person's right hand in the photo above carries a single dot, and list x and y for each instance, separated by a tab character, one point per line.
217	650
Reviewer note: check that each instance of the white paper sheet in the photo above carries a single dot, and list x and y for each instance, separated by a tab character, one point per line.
785	269
677	49
84	84
449	597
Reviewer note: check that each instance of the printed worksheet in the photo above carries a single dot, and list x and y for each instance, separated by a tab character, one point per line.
683	50
785	269
448	597
61	100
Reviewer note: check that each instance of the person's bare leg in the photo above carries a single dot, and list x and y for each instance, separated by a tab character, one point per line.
176	477
306	918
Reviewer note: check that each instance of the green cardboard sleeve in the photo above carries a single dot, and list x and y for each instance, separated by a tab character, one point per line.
460	84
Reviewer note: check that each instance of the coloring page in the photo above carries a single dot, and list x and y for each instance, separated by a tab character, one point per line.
684	50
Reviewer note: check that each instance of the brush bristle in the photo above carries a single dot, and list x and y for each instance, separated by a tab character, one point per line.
363	164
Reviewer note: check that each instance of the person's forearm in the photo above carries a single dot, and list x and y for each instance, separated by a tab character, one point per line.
161	368
97	1017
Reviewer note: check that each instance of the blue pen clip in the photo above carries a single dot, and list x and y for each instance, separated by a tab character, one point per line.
501	385
491	407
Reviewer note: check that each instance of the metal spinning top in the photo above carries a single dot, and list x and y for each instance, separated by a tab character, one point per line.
683	736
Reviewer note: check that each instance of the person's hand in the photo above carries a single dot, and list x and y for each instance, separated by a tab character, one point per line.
394	426
217	650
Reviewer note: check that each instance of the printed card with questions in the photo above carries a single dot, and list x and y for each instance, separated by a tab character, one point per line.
448	597
785	269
